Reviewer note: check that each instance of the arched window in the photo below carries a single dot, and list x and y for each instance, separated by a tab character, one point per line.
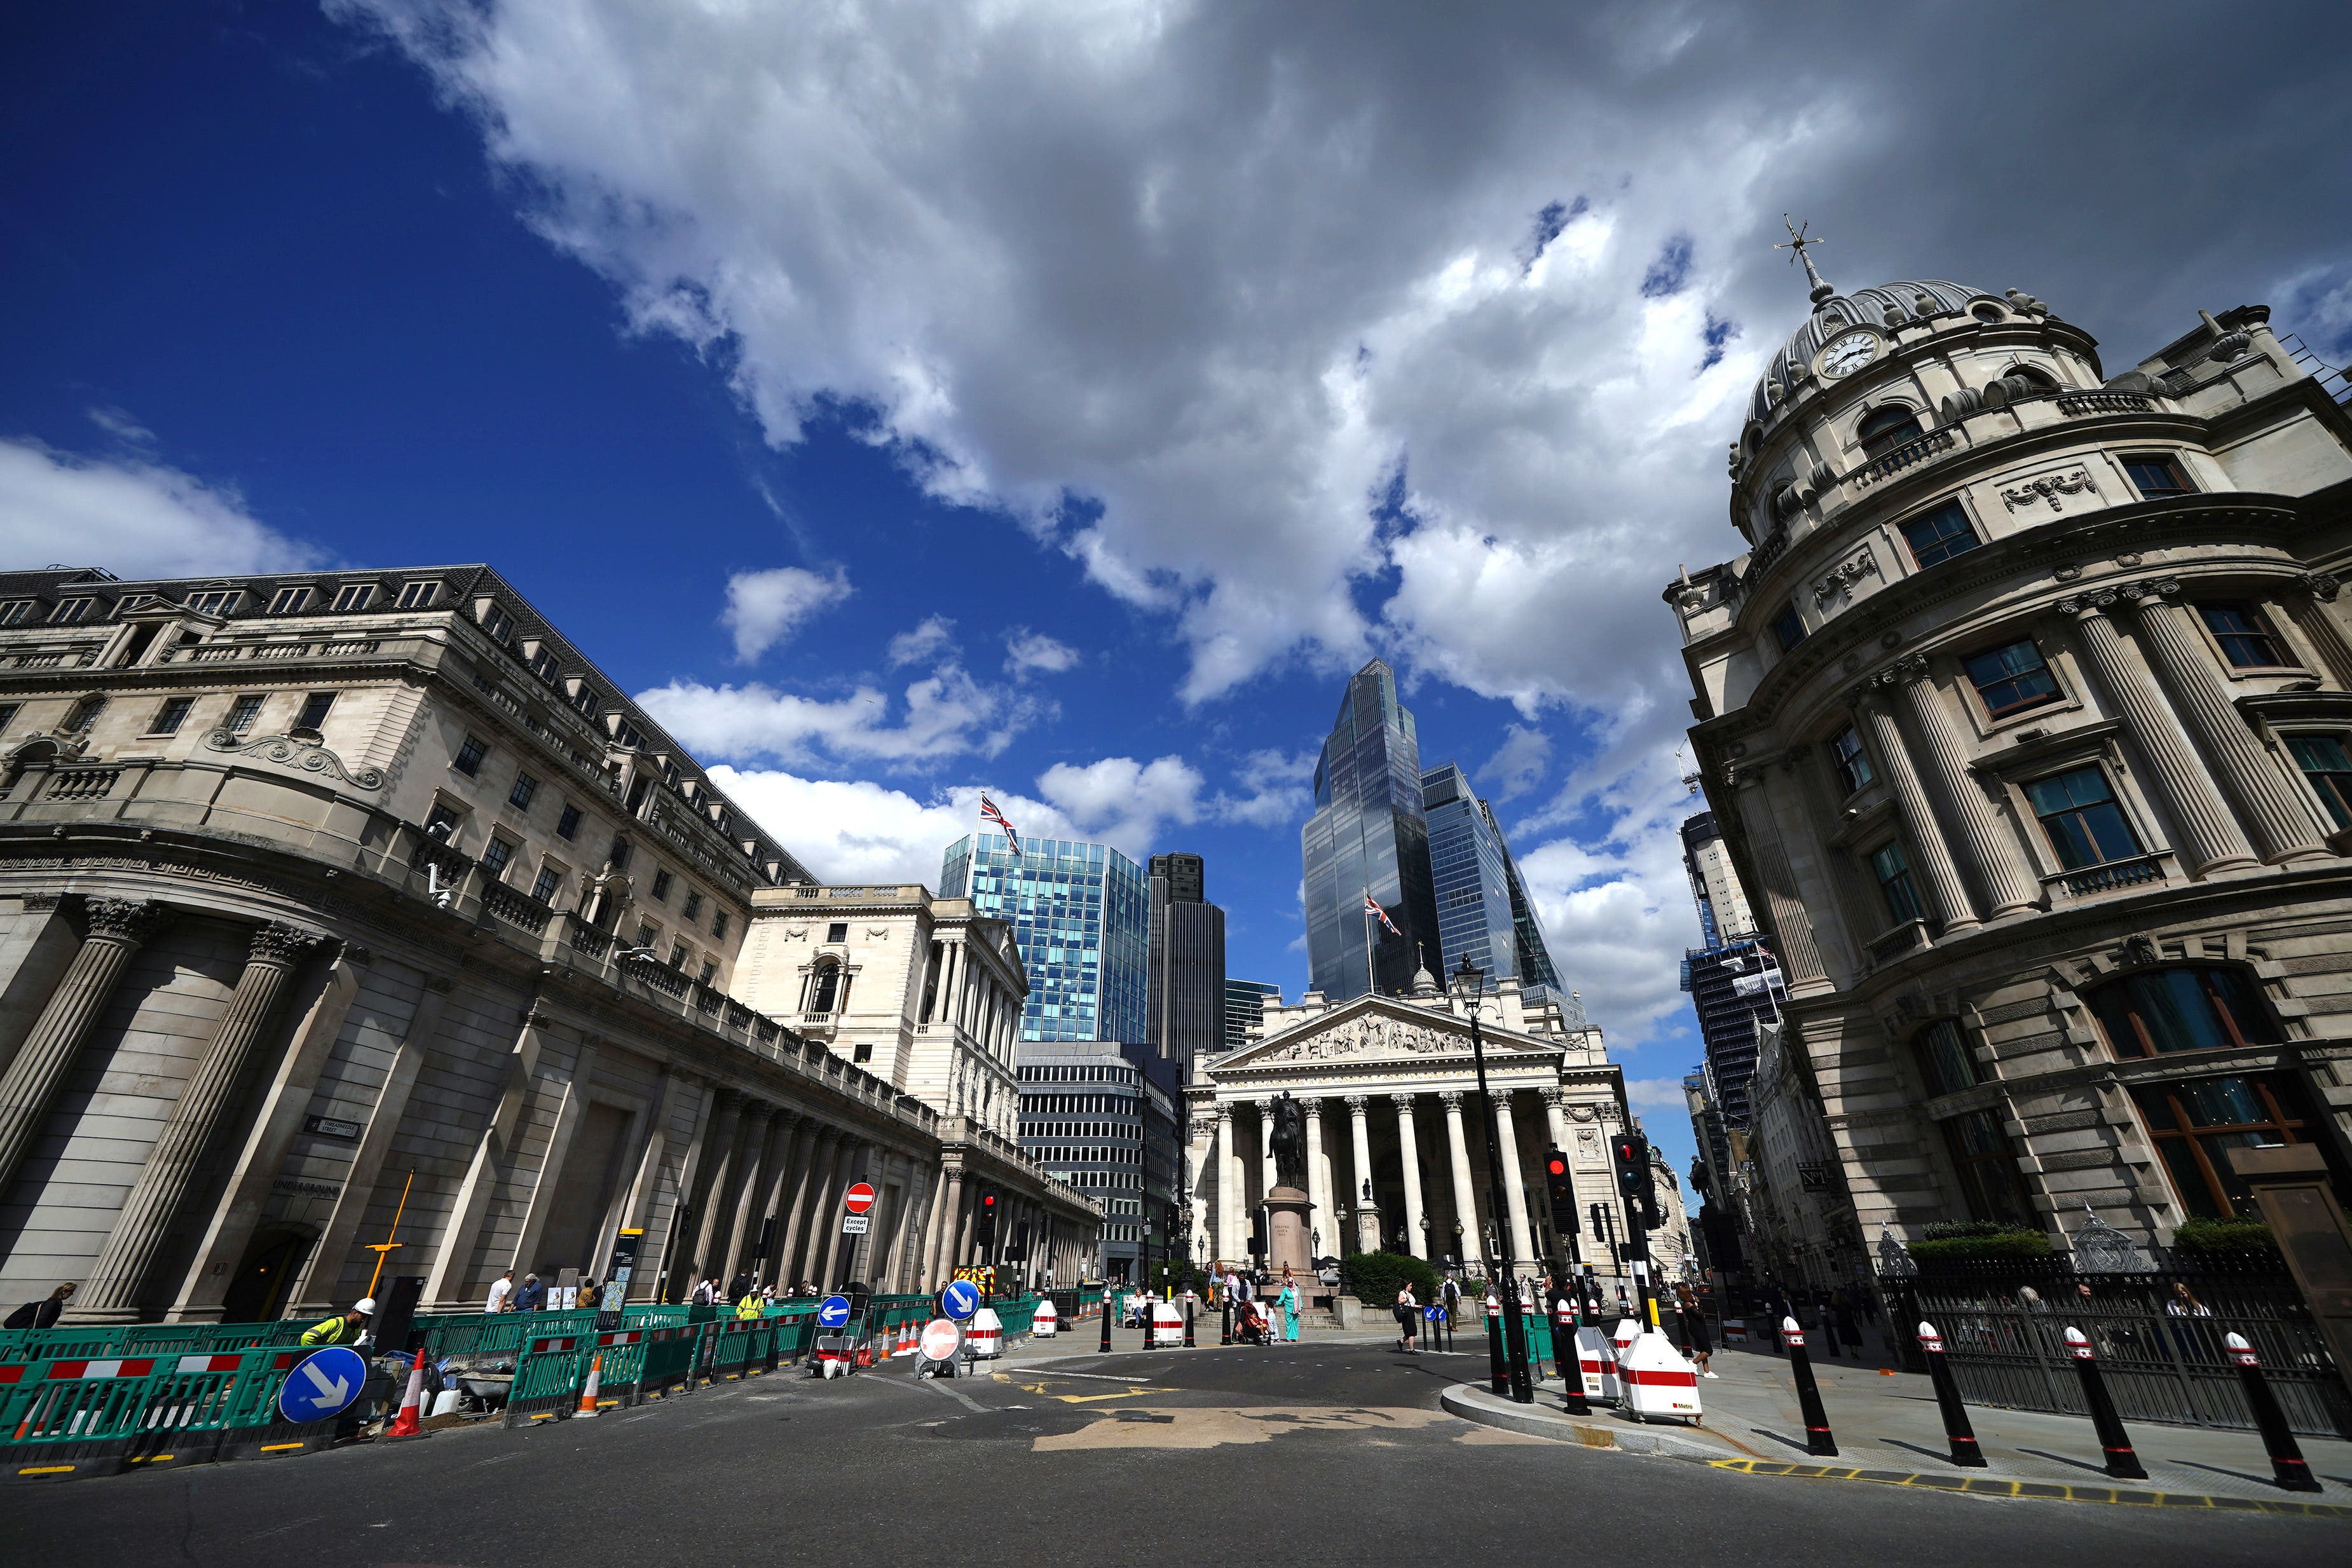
2191	1007
1884	429
824	989
2036	378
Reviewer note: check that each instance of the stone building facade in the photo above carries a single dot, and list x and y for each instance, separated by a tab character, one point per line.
336	897
2026	718
1395	1154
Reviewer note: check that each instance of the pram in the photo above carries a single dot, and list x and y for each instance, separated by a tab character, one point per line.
1250	1325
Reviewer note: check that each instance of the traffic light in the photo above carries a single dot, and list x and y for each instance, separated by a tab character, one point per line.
1257	1231
1562	1190
983	1229
1630	1152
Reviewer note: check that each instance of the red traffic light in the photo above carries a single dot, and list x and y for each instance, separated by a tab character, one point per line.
988	1200
1559	1166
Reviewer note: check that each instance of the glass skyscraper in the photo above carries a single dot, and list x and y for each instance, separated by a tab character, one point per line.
1368	834
1483	909
1081	914
1186	1019
1244	1009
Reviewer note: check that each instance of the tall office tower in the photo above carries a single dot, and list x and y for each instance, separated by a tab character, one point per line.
1369	836
1099	1114
1081	914
1245	1007
1483	910
1733	981
1186	1017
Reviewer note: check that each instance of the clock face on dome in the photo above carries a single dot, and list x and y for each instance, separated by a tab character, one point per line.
1848	354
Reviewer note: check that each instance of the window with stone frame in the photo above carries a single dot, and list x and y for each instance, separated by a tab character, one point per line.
2195	1123
1937	535
692	908
1853	769
520	796
171	715
2244	637
83	715
1882	430
2186	1006
661	885
549	883
2012	678
2156	475
1991	1182
1789	627
2080	818
315	708
244	711
71	612
1892	869
1946	1064
495	856
17	611
567	823
468	759
289	601
2326	767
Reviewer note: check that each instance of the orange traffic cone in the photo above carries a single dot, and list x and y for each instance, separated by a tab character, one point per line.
405	1424
588	1390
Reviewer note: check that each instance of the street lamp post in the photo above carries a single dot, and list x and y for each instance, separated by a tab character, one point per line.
1469	986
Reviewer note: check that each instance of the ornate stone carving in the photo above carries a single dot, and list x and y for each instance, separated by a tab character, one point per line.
131	920
1224	1111
2048	487
1450	1098
1841	578
2139	950
276	944
40	903
1582	1113
2151	588
1356	1103
1553	1097
288	751
1374	1035
2323	585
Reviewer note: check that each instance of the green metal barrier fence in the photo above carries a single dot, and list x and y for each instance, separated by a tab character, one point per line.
618	1379
546	1380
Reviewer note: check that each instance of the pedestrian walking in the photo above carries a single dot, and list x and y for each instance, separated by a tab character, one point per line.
346	1327
1696	1342
1450	1293
2183	1306
1289	1303
43	1314
501	1290
702	1296
588	1295
1849	1322
1406	1307
532	1297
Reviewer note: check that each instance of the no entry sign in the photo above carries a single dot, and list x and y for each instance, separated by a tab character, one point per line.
941	1340
859	1197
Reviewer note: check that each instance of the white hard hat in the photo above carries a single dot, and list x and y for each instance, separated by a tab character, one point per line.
364	1306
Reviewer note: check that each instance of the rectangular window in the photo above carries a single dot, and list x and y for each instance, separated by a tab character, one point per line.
661	886
418	595
288	601
1789	627
837	932
585	699
171	715
495	856
718	924
70	610
678	956
543	665
243	712
441	816
710	970
1893	874
2191	1007
85	713
2080	814
218	601
2155	475
8	715
315	708
16	612
628	734
1941	535
550	878
2197	1122
2244	637
497	622
2012	679
1990	1179
468	759
2328	767
693	909
355	596
568	824
1852	762
525	787
1943	1057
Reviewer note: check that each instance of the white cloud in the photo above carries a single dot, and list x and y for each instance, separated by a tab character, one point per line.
1026	651
1123	802
763	608
1657	1097
1519	763
946	714
1274	785
132	516
853	830
933	636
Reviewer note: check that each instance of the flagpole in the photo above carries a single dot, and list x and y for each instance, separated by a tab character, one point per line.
1371	980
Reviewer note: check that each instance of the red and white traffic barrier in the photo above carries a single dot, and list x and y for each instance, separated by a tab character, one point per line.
1596	1361
986	1335
1047	1322
1658	1381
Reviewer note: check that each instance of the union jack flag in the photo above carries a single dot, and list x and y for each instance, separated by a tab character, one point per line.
1373	907
989	813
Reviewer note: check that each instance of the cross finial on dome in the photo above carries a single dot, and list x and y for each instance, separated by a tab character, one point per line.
1799	245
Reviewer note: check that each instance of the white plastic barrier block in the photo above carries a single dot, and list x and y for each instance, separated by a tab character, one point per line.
1658	1381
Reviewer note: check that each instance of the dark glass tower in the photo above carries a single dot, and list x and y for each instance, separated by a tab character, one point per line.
1483	910
1368	833
1185	1022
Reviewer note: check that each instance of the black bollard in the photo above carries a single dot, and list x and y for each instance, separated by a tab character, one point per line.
1188	1319
1817	1440
2286	1456
1569	1354
1226	1337
2122	1462
1106	1319
1957	1430
1499	1377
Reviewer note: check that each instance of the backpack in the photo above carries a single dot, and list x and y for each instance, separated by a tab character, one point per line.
22	1318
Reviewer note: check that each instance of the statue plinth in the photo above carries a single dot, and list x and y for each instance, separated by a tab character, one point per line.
1289	1240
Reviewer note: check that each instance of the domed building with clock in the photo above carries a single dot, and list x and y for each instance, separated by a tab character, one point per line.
2026	713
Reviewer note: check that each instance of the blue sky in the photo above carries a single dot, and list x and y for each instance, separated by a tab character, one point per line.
1064	398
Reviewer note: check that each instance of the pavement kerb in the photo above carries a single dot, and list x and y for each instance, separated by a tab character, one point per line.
1471	1402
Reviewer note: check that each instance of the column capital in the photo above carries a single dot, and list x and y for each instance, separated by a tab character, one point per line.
129	921
1554	1097
789	1116
2321	585
2147	588
1356	1103
281	945
1224	1110
1404	1099
760	1110
1314	1108
1264	1103
1450	1098
2089	604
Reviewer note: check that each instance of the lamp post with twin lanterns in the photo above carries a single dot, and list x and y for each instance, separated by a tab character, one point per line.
1469	988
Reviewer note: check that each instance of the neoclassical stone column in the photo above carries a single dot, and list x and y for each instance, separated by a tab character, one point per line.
1465	1195
1319	1175
816	1143
2215	841
1415	1238
710	1228
1991	843
1229	1184
145	1222
114	927
950	1221
1925	833
1264	1146
2284	828
792	1137
1514	1182
1362	1178
743	1224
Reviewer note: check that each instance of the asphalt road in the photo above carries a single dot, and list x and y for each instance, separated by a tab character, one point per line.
1317	1453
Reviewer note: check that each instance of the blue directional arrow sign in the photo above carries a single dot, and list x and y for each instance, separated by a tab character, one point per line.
322	1383
1433	1313
960	1300
832	1312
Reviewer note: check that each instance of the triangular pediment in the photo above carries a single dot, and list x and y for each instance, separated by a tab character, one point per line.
1379	1029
